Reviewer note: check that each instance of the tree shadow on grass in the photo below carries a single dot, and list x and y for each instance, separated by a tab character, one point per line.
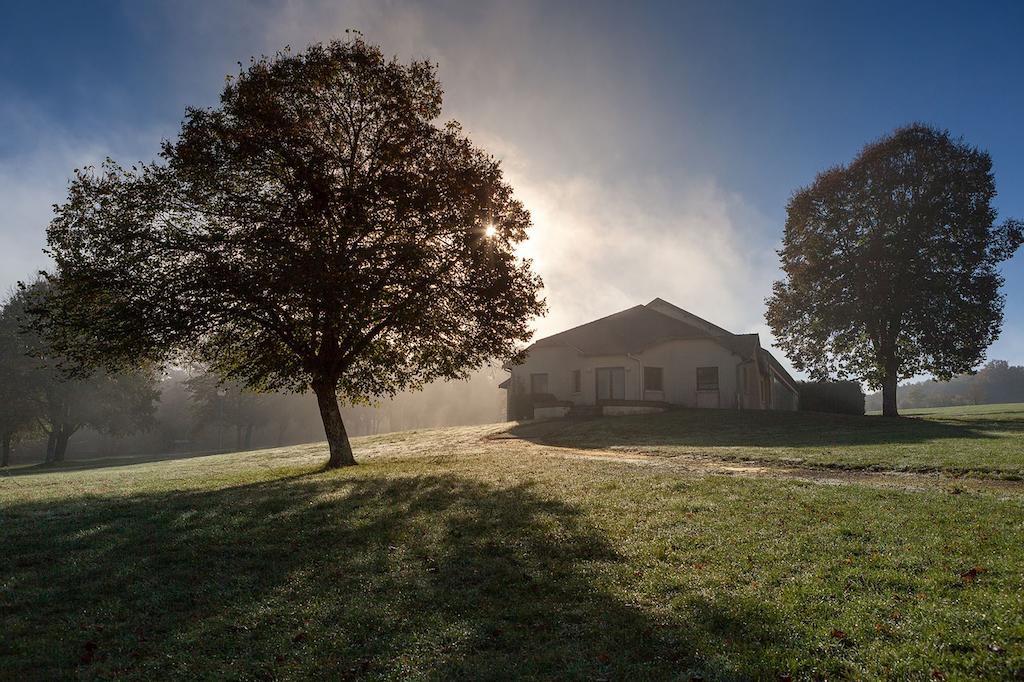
87	464
732	428
336	577
98	463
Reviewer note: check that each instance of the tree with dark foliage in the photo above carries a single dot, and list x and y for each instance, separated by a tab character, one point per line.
317	230
115	404
19	412
58	396
891	264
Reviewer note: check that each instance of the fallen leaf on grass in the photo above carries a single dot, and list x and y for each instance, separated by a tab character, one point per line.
971	575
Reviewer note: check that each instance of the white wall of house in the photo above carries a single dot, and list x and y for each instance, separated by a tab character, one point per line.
678	359
556	362
560	362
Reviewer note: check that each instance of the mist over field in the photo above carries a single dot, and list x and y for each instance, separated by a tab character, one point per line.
273	420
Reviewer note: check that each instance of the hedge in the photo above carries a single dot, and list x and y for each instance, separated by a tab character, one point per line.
840	397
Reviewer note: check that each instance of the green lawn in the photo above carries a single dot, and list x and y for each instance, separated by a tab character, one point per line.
979	440
446	555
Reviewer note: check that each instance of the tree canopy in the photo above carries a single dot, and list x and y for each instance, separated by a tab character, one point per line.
891	264
319	229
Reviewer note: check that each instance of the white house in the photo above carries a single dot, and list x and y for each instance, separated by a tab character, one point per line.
647	358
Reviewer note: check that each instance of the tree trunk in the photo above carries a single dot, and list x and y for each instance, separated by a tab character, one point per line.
238	437
51	445
334	427
889	408
60	445
248	437
5	449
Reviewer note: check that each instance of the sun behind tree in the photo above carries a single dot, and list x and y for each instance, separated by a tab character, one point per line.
891	264
317	230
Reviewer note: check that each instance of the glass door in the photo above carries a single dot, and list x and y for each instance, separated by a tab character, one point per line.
611	383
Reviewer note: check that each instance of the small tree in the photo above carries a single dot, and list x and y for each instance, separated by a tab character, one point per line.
60	401
891	264
315	231
227	403
19	412
70	397
117	404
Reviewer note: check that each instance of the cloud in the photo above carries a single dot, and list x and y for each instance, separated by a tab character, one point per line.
602	248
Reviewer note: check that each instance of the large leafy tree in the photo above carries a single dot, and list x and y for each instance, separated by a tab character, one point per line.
891	264
317	230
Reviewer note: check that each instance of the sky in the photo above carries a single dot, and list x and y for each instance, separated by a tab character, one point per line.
655	144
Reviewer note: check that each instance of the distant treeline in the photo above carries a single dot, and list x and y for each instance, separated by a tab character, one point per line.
996	382
196	414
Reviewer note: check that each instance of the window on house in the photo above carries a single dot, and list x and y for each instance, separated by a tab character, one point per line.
538	383
654	379
707	378
577	381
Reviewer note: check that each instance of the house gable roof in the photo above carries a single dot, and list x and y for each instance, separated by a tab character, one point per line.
666	308
635	329
628	331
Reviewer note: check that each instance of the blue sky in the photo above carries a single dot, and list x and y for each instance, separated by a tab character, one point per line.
656	144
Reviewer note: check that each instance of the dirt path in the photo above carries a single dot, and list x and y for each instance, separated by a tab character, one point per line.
687	464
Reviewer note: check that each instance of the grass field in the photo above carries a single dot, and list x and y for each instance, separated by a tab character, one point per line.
478	553
979	440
